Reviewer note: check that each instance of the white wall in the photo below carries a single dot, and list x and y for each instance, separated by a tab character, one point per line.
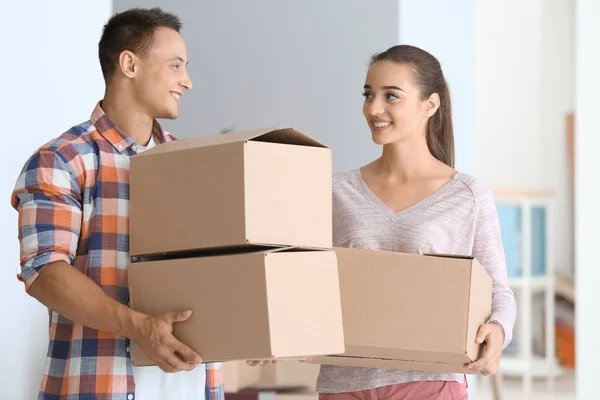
447	30
524	90
50	80
587	192
299	63
558	99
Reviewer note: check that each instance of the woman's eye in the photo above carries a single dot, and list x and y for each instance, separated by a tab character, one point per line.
367	95
391	96
176	66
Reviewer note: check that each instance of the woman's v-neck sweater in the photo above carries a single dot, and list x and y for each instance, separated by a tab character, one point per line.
458	218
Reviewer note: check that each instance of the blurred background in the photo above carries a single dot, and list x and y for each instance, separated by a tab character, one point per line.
523	75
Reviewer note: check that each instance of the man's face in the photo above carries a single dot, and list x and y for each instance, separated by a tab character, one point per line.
162	76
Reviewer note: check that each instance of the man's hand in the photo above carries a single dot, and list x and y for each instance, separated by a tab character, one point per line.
63	288
493	336
156	339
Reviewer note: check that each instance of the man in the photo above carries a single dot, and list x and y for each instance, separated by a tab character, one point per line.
73	202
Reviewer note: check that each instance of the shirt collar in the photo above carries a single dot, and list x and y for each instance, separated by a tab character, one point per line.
115	136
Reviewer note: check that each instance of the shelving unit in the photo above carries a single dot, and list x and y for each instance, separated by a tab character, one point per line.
525	363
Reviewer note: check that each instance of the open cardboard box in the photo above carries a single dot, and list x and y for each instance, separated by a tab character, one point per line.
408	311
269	187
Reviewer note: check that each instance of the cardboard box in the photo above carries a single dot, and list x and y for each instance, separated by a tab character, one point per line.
256	305
407	311
285	376
268	187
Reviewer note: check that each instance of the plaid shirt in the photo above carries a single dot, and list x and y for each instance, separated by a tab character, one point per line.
73	202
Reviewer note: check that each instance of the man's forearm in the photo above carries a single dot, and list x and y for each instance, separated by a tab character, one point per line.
75	296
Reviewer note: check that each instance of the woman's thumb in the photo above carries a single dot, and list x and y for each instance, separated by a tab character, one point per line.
484	330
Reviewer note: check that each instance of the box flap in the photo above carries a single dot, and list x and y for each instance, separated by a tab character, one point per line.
405	354
458	256
273	135
394	364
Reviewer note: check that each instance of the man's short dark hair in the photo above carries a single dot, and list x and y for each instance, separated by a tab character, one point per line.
131	30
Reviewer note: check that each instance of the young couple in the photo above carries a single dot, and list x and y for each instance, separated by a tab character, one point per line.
72	199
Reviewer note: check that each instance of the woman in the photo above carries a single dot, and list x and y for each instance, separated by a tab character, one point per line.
412	200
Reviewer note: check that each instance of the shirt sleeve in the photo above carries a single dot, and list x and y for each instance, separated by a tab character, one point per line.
47	197
488	250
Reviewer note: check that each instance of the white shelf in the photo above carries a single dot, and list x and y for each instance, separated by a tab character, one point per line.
525	363
511	365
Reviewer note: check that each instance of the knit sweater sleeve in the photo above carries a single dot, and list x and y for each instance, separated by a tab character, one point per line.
489	251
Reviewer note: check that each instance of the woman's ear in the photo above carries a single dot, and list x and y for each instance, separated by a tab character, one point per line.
432	104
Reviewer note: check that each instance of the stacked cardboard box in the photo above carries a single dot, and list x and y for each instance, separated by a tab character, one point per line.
237	228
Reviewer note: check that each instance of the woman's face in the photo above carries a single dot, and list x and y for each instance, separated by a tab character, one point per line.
393	106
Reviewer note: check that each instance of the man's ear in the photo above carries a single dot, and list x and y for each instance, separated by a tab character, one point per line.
432	104
128	63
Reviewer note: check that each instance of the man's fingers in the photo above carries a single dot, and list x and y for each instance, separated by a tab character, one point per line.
165	365
186	353
178	364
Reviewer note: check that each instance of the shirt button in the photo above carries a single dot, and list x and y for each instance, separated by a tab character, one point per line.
130	396
120	146
127	349
134	147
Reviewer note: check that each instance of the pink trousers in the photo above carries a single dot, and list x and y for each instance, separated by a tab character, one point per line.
423	390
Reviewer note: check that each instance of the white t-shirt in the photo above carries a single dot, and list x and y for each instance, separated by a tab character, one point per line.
152	383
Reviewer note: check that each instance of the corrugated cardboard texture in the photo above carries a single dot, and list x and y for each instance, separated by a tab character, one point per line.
422	310
177	202
284	376
259	187
258	305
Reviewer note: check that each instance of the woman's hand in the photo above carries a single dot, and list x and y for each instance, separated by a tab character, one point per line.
493	336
